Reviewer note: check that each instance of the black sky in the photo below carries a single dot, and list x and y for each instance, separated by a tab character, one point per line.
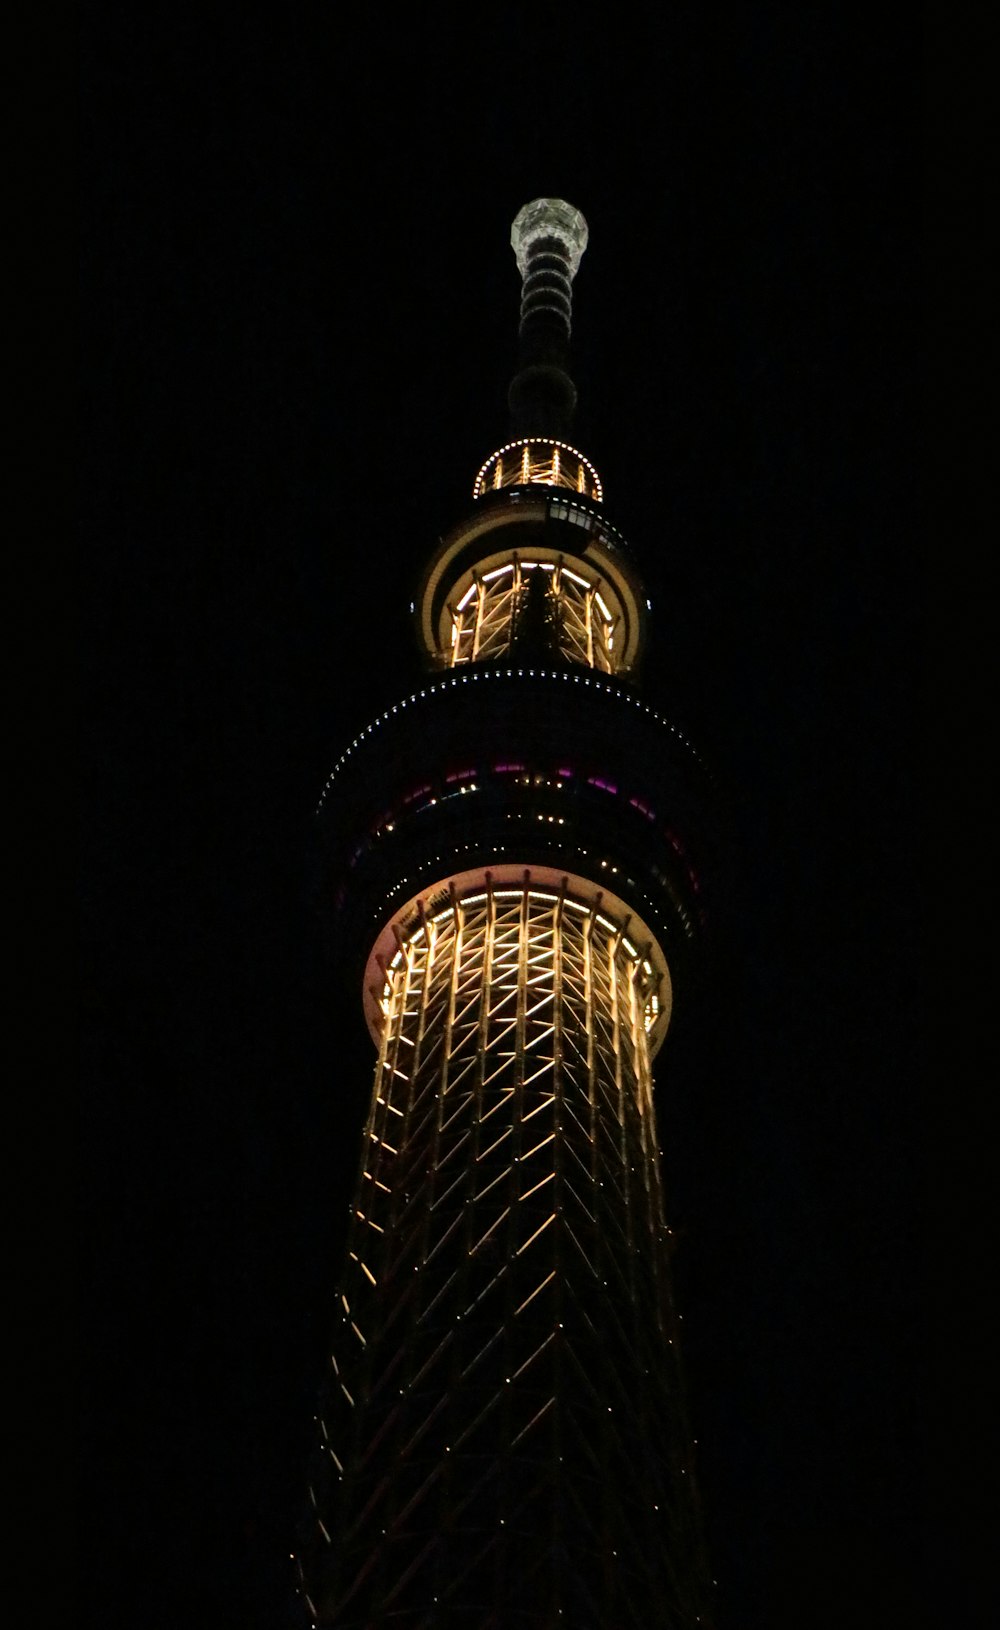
299	321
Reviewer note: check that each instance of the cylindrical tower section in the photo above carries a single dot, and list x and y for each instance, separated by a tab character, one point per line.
505	1441
548	237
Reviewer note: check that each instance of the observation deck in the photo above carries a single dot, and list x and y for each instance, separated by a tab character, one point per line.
535	565
485	768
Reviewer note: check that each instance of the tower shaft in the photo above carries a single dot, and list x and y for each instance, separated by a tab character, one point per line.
506	1285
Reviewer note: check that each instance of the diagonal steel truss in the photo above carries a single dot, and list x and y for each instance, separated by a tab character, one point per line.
505	1440
484	625
538	461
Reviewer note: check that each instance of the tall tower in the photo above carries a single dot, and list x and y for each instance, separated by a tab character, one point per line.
513	852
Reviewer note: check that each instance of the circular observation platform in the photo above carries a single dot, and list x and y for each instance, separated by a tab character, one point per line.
537	512
561	771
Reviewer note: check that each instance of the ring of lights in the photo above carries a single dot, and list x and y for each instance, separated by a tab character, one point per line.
538	461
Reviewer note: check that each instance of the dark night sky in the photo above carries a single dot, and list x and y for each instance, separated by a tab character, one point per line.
299	318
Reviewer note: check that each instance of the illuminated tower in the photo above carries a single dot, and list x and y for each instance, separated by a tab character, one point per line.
513	854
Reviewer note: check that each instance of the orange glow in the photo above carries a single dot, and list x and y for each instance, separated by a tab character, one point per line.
539	461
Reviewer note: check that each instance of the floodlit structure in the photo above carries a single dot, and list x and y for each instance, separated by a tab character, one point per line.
514	855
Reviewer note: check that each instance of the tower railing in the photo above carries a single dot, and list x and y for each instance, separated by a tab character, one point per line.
538	461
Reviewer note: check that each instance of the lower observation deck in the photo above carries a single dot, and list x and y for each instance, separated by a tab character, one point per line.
558	770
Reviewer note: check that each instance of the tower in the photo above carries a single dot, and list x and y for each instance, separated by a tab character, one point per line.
514	854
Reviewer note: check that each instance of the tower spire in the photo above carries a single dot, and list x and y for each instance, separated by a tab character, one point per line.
548	237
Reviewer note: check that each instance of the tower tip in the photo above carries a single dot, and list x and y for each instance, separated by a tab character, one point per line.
549	218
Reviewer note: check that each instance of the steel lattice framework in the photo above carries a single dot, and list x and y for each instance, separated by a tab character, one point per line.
503	1438
506	1279
485	626
538	462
